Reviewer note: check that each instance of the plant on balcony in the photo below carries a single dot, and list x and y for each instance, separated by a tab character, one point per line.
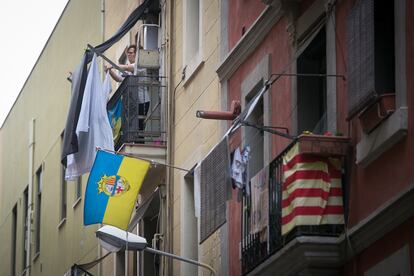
372	116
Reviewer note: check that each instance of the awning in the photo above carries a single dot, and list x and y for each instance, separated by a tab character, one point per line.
149	208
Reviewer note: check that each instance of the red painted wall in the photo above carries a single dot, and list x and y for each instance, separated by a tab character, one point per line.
242	13
392	171
380	181
280	93
382	249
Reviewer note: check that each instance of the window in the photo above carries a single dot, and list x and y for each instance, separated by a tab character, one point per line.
78	190
214	180
189	232
254	138
13	241
371	59
311	91
382	58
25	218
192	35
39	175
63	190
397	263
63	197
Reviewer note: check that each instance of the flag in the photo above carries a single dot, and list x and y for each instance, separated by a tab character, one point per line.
112	189
311	191
93	129
70	139
115	119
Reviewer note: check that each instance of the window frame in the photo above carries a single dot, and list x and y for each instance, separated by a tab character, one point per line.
26	213
307	26
191	64
394	128
77	191
39	184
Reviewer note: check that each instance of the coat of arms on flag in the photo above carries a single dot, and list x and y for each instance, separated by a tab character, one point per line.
114	185
112	189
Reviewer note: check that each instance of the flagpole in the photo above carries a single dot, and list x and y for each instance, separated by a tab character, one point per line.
126	254
144	159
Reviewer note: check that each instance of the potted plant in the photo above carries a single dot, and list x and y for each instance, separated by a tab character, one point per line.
372	116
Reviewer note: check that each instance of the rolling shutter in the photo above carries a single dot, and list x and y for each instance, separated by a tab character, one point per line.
361	56
214	180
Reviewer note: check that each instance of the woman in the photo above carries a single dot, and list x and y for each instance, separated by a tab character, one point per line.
143	95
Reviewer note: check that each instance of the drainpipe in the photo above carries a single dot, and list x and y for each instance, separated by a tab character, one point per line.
103	75
30	194
170	137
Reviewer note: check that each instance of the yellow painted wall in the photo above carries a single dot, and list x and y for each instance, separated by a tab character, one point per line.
45	97
194	137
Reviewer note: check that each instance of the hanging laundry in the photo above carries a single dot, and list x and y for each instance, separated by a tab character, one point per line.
239	167
259	211
93	129
197	196
245	160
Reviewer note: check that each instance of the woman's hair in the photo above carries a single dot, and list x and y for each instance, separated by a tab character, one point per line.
132	47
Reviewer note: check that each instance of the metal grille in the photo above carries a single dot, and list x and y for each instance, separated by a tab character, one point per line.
129	92
361	56
254	252
214	180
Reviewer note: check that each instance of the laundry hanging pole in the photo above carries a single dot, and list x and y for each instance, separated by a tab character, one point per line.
106	59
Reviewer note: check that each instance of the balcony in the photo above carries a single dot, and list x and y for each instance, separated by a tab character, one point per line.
265	252
132	121
141	132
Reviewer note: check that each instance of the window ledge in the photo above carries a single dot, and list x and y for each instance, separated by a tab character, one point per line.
61	223
192	68
390	132
76	203
36	256
24	271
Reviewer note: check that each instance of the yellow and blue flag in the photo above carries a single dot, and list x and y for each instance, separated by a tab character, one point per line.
115	119
112	189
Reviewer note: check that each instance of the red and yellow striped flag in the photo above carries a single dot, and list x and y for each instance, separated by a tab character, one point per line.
312	190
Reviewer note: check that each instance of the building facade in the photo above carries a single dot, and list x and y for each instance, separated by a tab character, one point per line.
41	214
329	79
331	64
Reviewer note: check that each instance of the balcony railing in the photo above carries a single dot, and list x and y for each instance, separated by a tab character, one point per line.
132	120
254	250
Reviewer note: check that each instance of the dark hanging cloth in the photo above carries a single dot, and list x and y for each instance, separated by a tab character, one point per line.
70	140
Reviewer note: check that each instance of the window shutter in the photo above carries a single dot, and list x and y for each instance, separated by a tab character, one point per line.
361	56
214	180
371	58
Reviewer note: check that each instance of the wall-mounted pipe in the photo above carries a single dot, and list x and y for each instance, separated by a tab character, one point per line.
235	110
30	194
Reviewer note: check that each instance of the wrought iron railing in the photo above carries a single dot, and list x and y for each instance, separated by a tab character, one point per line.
137	109
254	251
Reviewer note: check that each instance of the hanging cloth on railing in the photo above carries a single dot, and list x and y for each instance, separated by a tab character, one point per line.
260	203
311	191
93	129
70	140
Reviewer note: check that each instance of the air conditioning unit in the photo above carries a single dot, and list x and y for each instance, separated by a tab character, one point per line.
148	55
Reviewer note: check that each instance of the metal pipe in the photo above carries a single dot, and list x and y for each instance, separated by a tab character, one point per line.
30	193
103	75
235	110
170	134
183	259
106	59
308	75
